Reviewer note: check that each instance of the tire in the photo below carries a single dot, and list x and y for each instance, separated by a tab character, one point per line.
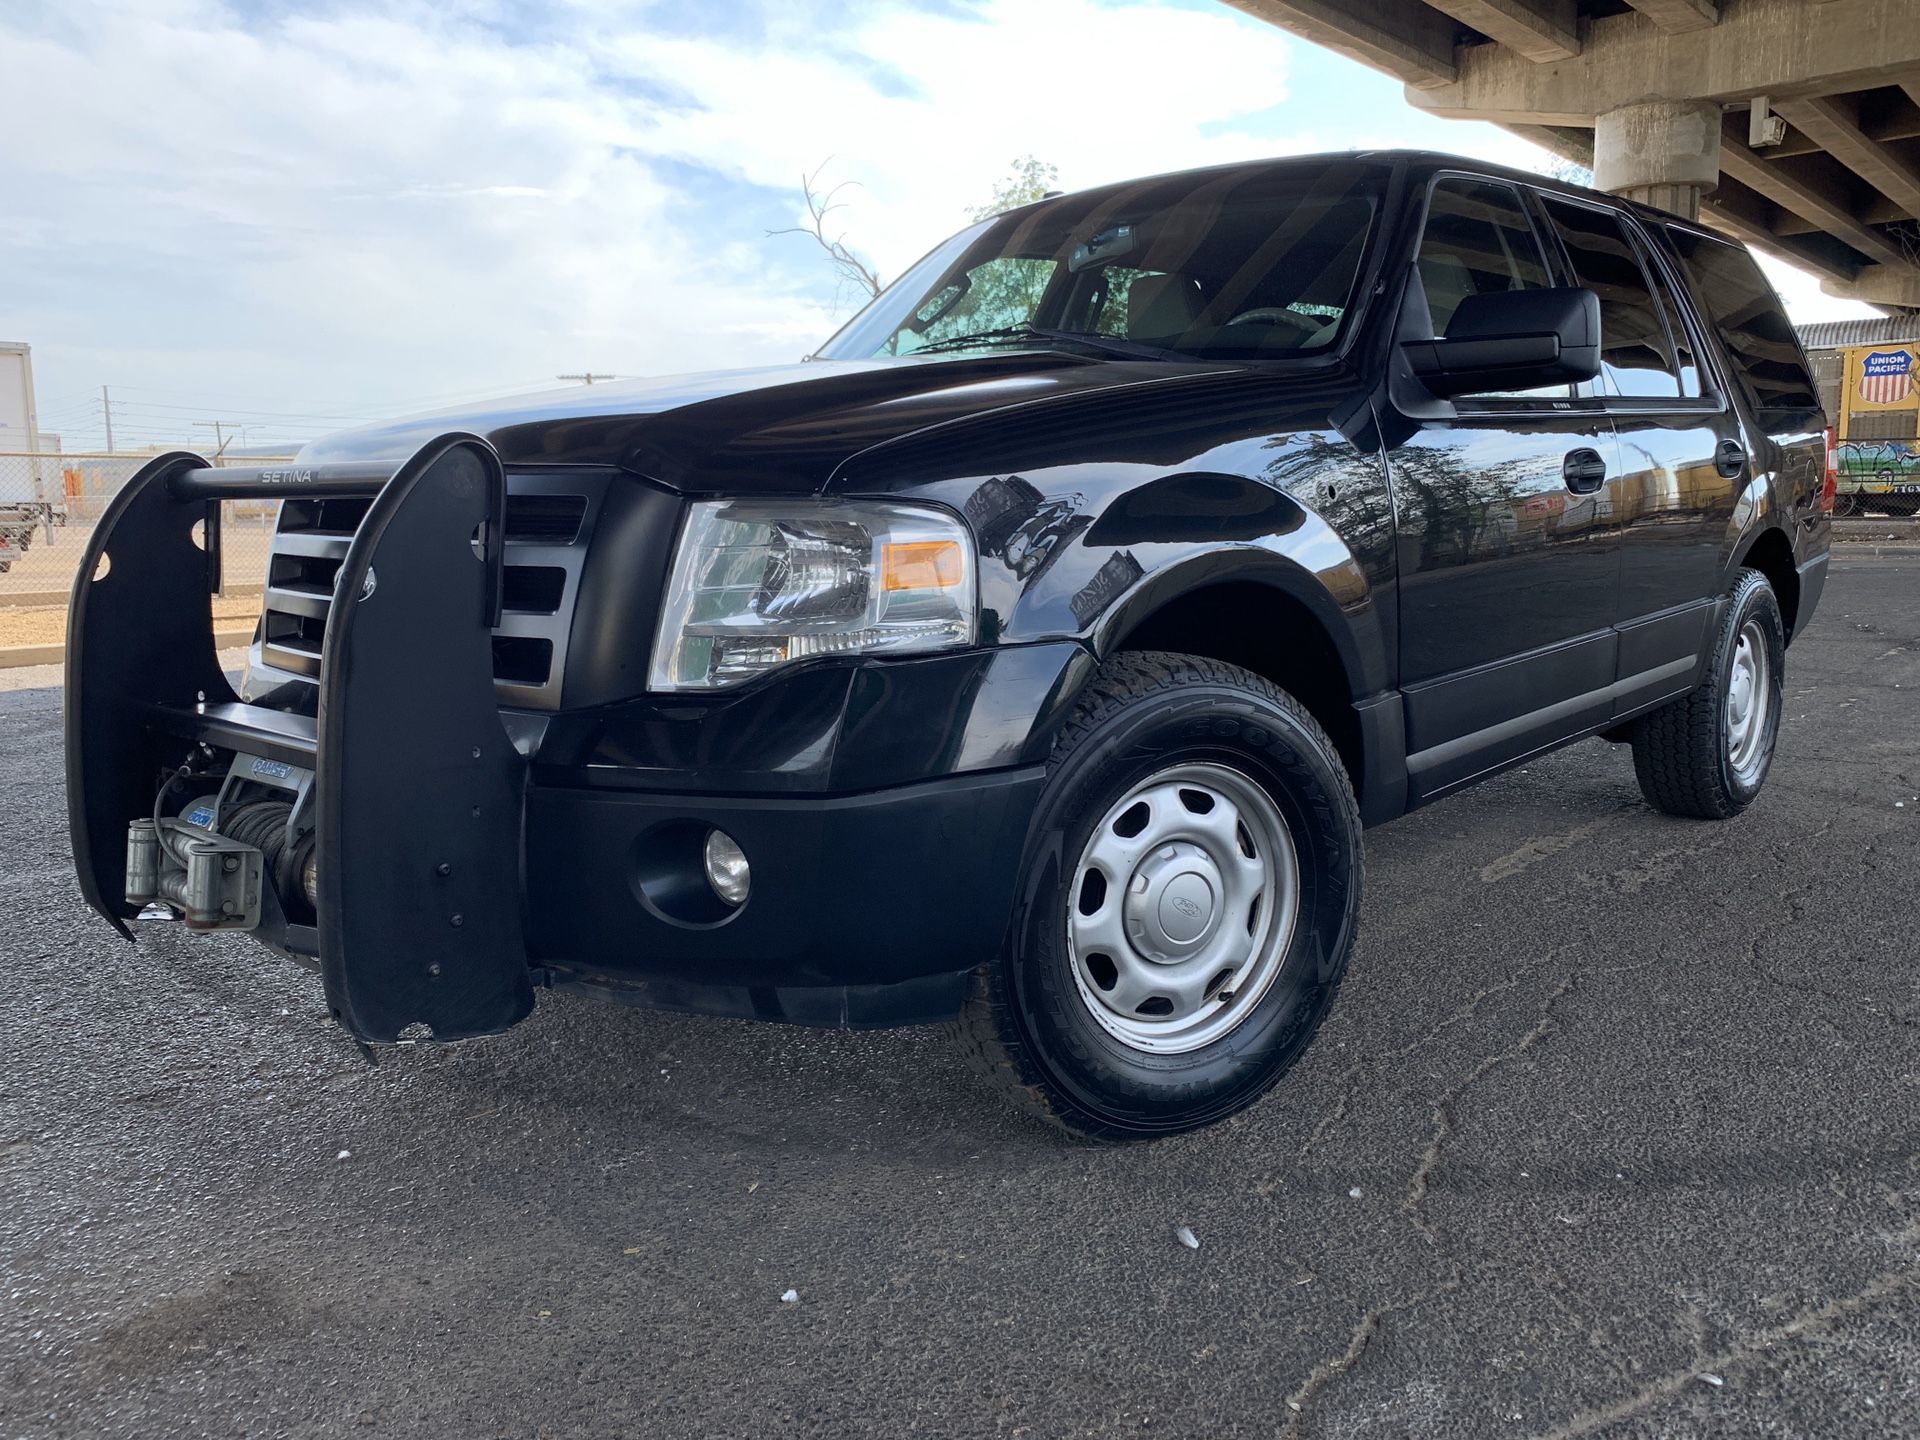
1707	754
1049	1022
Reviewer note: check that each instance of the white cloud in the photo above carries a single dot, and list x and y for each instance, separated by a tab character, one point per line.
343	207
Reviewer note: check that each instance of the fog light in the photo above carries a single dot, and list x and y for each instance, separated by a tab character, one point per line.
310	879
727	870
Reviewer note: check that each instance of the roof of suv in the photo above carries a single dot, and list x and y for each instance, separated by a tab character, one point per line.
1419	160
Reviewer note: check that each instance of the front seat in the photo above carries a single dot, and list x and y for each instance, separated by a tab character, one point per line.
1447	281
1160	307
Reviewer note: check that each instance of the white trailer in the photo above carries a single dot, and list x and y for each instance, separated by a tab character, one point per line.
30	494
19	428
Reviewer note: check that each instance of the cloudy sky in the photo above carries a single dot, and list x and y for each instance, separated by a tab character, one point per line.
297	214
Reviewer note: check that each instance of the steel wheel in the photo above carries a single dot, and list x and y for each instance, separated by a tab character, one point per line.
1749	703
1182	907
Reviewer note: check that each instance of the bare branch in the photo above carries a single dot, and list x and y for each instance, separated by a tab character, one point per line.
848	266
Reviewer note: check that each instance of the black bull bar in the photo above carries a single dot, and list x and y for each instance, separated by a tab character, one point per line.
417	791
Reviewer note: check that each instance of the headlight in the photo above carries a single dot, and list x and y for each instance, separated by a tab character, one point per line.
758	584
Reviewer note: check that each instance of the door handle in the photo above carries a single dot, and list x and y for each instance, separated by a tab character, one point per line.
1730	459
1584	471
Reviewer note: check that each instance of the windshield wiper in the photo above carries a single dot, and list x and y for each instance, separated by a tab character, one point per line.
1024	331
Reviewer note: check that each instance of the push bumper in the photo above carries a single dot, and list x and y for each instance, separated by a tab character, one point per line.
415	798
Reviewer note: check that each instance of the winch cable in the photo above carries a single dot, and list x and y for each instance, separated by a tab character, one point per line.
263	825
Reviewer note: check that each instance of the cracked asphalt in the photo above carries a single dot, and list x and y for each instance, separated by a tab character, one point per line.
1615	1131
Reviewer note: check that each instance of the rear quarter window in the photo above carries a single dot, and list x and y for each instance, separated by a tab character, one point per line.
1765	354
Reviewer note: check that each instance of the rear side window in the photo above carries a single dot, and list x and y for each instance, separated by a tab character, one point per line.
1682	341
1741	306
1636	352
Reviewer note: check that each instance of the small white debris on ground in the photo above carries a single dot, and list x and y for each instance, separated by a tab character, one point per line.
1713	1380
792	1297
1187	1238
1354	1193
344	1155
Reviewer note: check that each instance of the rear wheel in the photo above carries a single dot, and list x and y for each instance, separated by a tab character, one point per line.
1193	899
1707	754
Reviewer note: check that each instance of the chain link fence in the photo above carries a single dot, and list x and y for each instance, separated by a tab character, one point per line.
49	504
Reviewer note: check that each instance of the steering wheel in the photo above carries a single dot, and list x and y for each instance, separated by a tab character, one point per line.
1277	315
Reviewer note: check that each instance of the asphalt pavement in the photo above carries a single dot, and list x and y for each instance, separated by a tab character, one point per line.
1615	1131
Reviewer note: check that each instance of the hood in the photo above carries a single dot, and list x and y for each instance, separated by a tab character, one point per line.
782	428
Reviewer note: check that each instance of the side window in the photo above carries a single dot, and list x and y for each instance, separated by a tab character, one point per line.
1478	241
1689	363
1636	353
1766	355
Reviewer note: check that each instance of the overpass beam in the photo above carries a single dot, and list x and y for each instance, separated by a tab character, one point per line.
1834	123
1664	153
1537	29
1407	38
1677	15
1894	286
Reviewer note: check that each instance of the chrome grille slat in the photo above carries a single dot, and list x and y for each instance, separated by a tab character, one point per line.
288	600
549	519
314	543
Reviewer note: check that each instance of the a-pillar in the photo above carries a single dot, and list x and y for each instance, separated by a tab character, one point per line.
1665	153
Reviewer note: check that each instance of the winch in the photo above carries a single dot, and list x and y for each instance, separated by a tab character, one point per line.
212	862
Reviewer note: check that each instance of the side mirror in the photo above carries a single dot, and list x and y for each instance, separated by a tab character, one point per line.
1512	340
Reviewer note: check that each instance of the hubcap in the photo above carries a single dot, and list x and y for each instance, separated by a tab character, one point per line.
1183	905
1749	703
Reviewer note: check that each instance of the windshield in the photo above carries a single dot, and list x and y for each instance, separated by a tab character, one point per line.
1223	264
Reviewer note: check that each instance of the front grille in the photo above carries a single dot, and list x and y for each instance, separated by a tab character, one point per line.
521	660
548	520
533	589
338	516
545	519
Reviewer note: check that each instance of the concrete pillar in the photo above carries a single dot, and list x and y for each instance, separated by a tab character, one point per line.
1664	153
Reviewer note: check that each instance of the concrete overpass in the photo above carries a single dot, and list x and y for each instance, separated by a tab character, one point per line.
1794	124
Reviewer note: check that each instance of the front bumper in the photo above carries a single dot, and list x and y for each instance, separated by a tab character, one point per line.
466	855
864	910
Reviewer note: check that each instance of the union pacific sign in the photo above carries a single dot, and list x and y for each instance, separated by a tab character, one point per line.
1886	376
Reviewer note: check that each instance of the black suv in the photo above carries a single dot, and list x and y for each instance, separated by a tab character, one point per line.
1032	657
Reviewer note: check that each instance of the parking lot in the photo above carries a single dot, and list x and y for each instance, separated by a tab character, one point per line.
1614	1131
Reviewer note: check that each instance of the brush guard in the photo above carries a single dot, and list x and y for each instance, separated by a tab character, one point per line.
417	789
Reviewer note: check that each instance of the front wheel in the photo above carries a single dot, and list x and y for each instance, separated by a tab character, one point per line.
1707	754
1192	899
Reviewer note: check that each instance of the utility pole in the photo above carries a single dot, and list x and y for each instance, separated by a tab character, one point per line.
219	436
588	377
106	409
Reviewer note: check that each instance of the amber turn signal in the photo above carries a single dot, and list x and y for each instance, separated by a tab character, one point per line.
922	565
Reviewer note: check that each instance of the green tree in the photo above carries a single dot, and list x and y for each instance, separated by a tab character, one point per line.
1031	180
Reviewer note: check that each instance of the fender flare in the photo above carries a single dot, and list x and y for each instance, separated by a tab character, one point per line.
1242	564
